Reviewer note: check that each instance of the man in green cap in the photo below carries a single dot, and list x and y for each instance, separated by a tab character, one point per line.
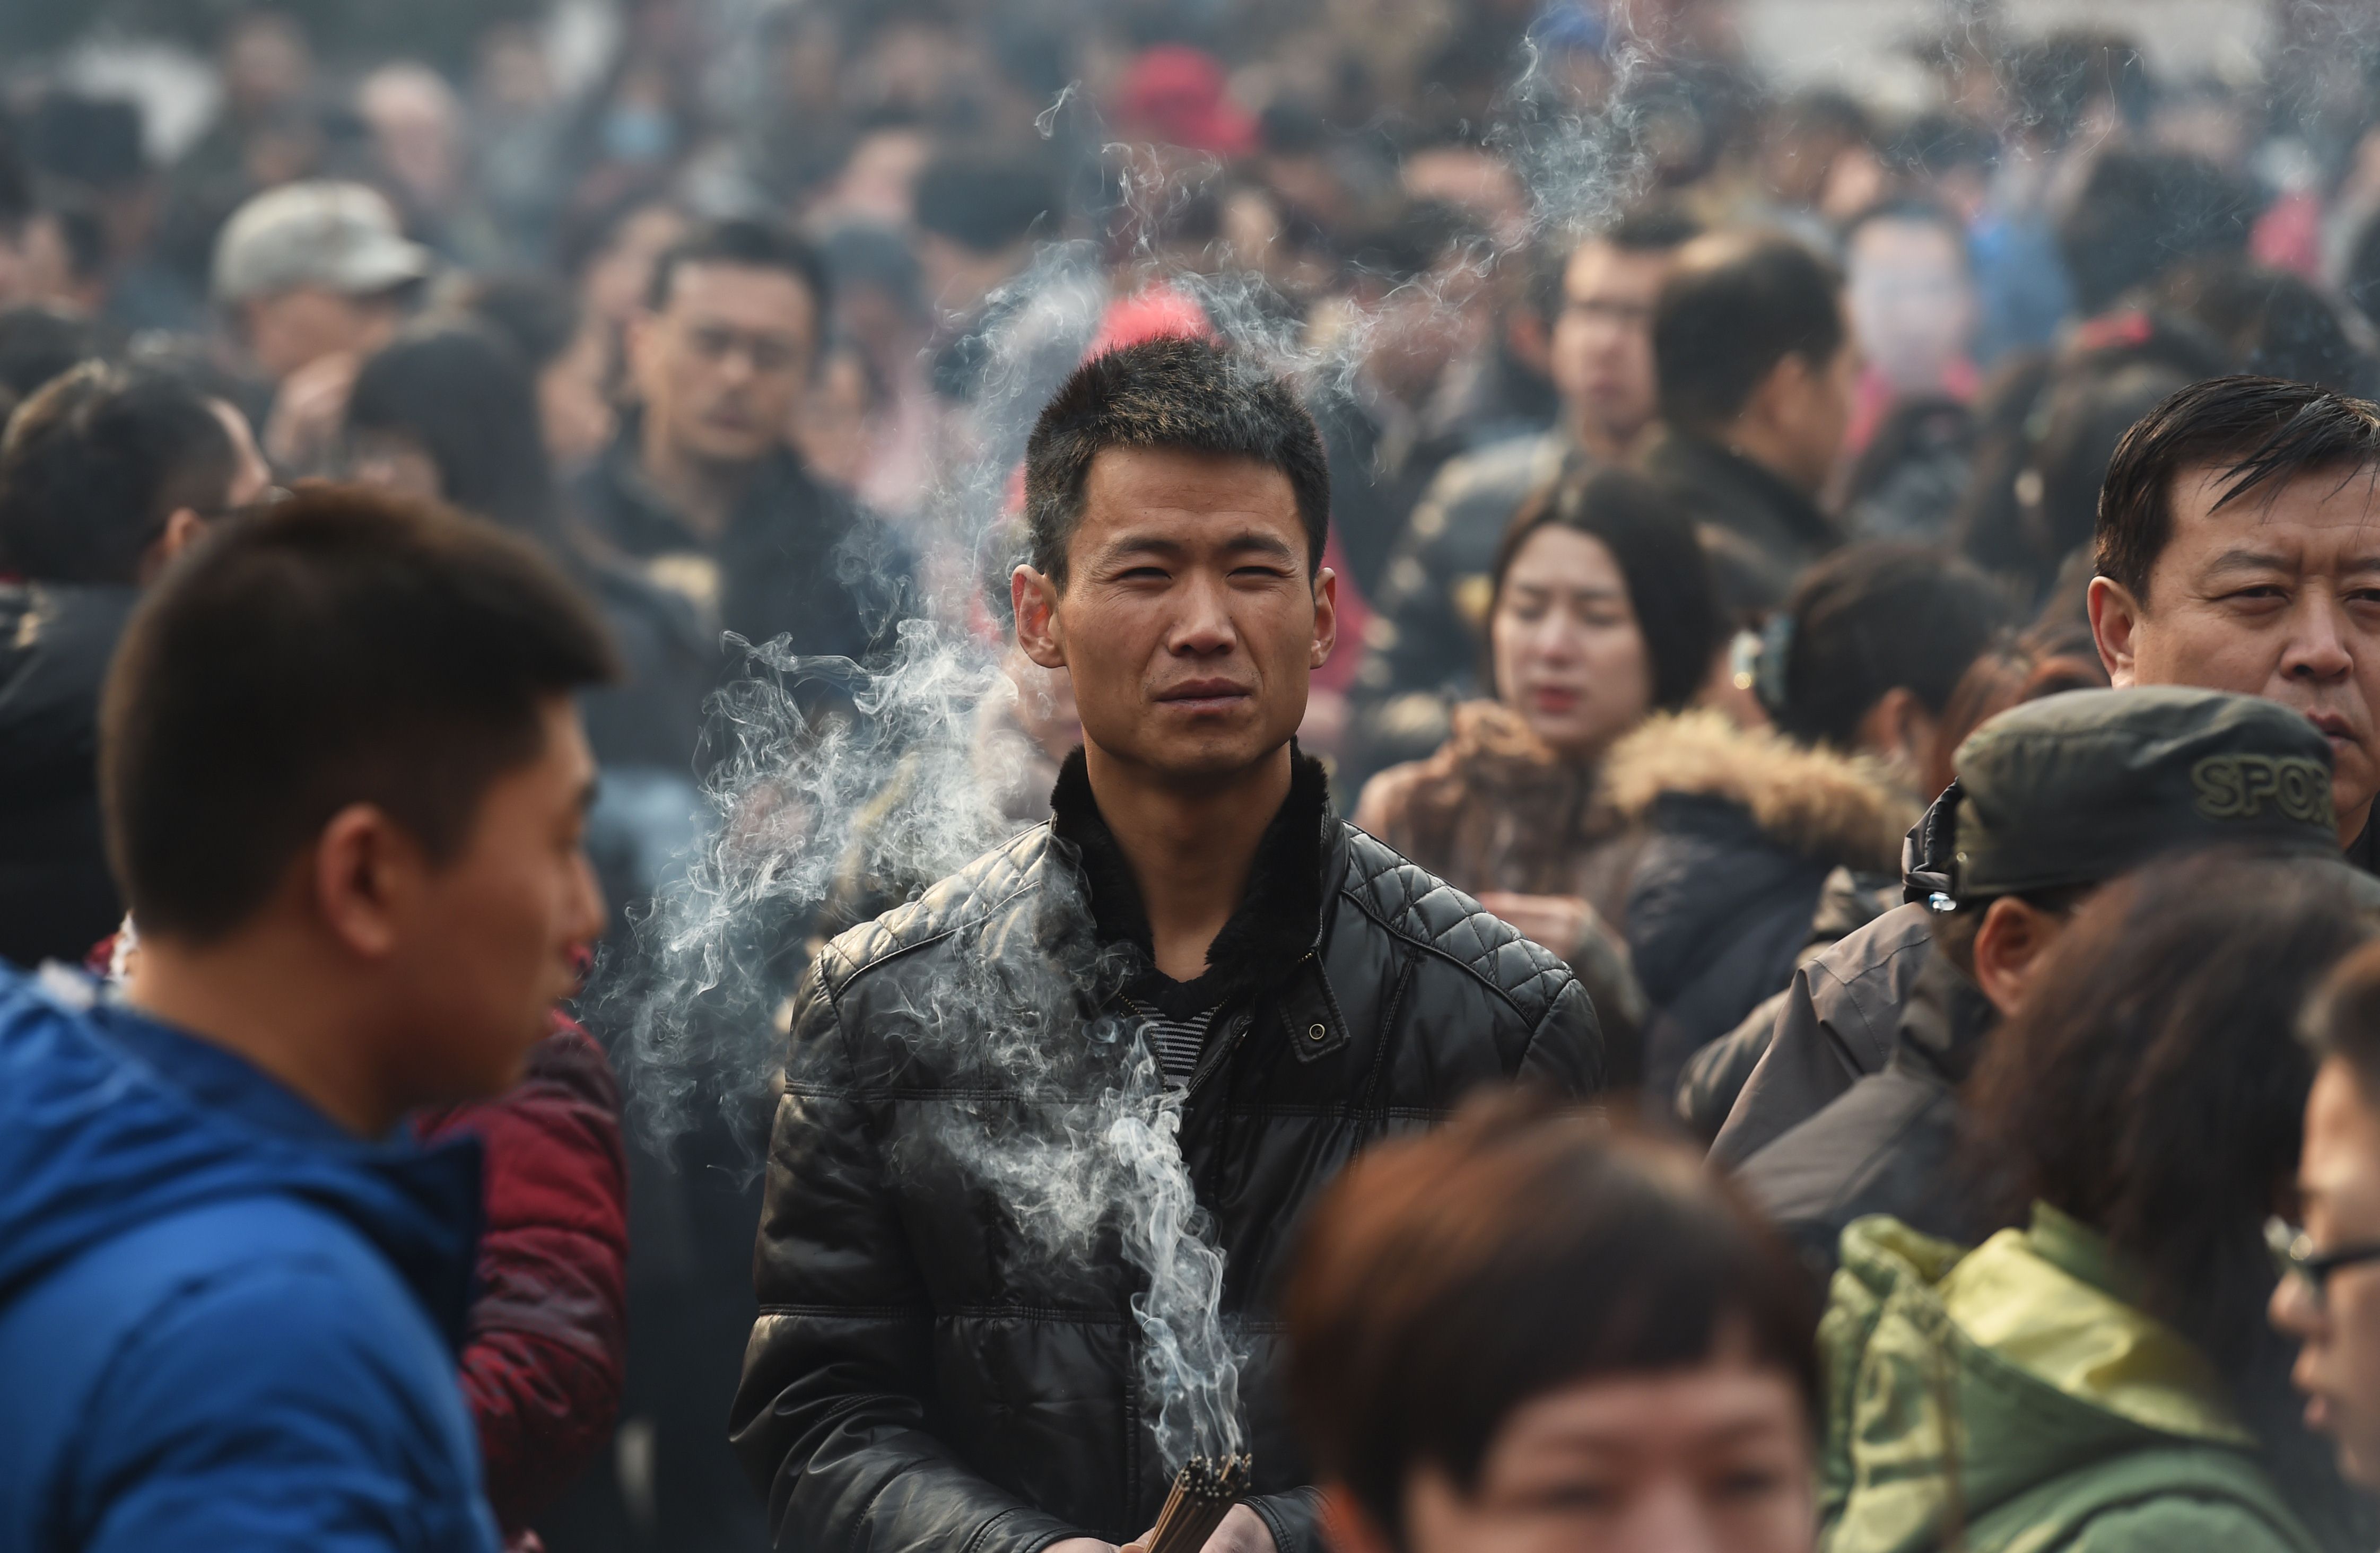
2053	799
2236	550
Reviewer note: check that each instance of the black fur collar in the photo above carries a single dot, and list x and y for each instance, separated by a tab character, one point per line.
1276	923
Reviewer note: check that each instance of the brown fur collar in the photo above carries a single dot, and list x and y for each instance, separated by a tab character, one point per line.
1844	809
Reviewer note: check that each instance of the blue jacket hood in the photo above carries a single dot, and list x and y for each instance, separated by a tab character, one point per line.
109	1120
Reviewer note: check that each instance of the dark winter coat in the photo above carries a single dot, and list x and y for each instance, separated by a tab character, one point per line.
56	895
1715	1076
919	1379
797	559
1746	829
1890	1144
1759	532
1841	1021
548	1347
225	1324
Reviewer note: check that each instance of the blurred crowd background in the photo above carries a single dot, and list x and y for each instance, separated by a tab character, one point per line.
416	244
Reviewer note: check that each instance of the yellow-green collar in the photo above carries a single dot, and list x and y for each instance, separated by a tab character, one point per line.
2050	1301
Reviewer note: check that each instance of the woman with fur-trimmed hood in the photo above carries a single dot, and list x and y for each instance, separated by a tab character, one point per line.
1600	613
1744	828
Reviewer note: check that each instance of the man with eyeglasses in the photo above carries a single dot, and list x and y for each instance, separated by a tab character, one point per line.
2328	1297
703	487
105	477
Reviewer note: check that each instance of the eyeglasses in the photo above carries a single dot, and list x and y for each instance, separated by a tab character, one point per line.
2294	1256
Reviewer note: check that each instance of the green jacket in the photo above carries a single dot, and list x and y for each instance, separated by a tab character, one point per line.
2074	1420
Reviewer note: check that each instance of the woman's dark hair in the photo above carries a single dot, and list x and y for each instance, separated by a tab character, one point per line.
1868	620
1445	1280
1653	542
535	313
464	396
2151	1088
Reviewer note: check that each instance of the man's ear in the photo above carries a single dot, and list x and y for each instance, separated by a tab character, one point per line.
1326	617
2115	628
364	869
1035	599
1767	406
183	526
2008	948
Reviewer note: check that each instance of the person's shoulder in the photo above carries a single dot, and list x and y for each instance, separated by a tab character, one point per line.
982	888
1413	905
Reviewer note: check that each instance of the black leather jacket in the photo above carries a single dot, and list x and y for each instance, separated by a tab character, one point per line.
920	1379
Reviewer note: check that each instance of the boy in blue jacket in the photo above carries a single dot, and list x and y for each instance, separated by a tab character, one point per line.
344	785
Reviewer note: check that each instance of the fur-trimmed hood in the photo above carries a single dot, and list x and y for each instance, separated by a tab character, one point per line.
1845	811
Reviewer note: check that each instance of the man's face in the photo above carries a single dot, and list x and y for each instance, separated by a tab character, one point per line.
2338	1363
494	937
719	366
2278	598
1603	341
1189	621
1911	302
289	329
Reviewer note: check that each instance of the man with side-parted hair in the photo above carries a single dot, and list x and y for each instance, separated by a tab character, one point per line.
343	782
2237	551
925	1372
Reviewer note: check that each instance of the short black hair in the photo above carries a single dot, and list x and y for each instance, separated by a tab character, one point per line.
1735	305
749	243
347	646
1171	391
984	204
1652	541
94	464
462	394
2143	210
1445	1282
2254	431
1873	618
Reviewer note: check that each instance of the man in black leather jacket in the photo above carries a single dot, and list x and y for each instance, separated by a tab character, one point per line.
1194	940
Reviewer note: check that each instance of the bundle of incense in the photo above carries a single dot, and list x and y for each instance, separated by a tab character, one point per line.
1204	1492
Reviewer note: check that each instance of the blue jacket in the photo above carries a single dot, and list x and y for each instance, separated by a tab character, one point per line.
224	1322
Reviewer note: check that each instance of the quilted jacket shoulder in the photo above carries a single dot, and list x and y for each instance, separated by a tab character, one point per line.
990	883
1427	911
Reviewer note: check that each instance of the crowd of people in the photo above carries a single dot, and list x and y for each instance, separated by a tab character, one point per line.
1706	752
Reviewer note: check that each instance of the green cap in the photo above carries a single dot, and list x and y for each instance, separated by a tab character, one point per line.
2077	788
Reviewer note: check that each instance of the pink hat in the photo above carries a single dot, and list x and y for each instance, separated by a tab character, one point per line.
1176	94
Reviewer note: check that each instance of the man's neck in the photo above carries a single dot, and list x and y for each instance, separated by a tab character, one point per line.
252	998
2352	824
700	493
1190	849
1600	442
1760	445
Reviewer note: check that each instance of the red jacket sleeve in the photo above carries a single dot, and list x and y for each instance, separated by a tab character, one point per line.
547	1349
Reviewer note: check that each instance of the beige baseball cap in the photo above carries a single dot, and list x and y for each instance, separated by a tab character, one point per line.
338	237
